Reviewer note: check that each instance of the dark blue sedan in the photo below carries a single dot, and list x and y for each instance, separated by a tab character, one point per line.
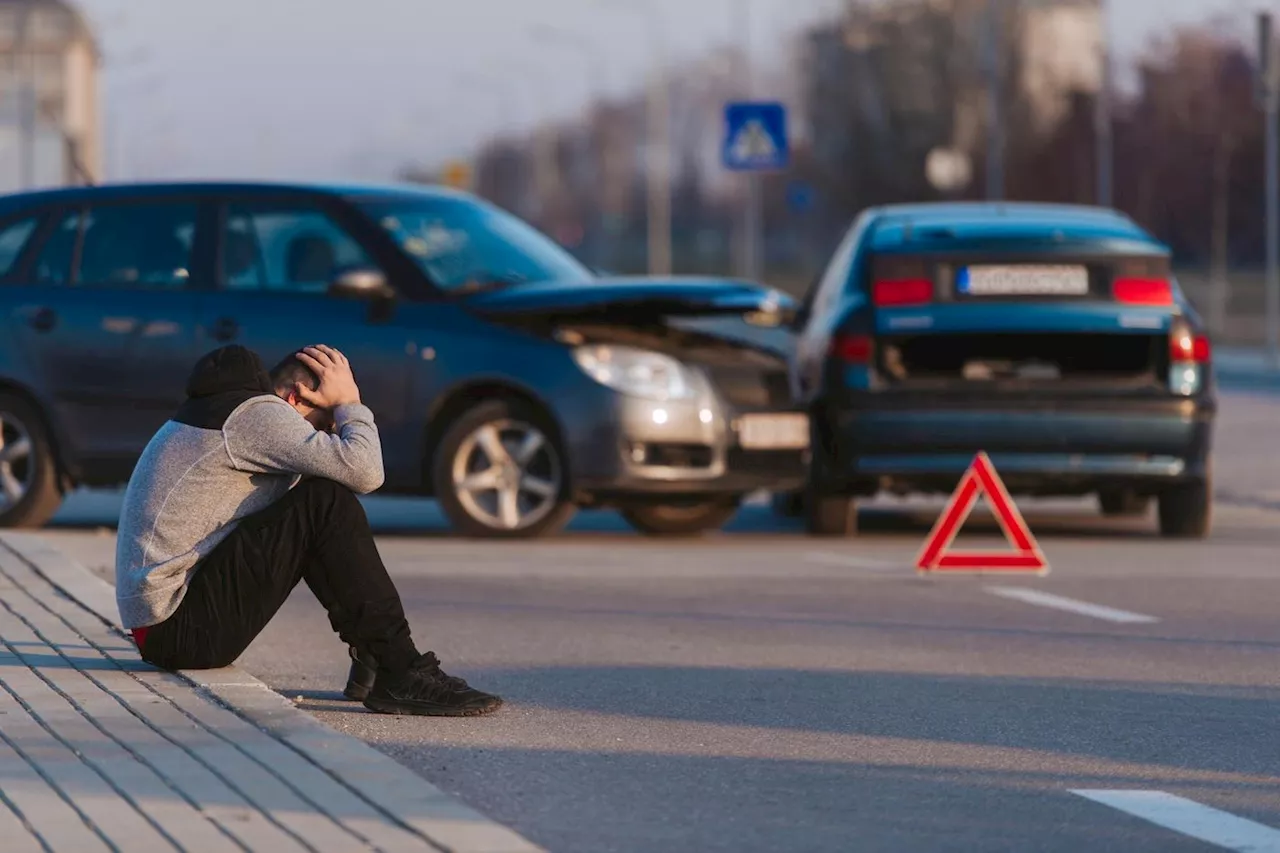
1055	338
507	380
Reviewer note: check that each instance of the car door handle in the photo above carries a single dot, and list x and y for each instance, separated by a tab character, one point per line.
225	329
43	319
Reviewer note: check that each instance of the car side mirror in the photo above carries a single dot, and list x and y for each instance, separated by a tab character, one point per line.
361	283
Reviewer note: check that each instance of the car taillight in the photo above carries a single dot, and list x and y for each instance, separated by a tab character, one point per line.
1186	346
852	349
1188	355
902	291
1142	291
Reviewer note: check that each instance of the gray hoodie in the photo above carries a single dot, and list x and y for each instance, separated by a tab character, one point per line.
233	449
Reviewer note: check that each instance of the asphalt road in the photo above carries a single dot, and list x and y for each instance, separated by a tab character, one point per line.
761	690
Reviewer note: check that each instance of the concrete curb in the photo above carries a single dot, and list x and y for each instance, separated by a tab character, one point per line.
404	796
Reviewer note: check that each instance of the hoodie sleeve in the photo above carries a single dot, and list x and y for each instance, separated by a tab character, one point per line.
267	436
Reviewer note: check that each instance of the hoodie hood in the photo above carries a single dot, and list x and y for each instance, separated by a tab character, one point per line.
219	383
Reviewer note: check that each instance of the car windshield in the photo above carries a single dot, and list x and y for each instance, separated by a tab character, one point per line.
464	246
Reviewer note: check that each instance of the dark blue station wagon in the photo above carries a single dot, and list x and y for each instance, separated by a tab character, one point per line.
507	380
1055	338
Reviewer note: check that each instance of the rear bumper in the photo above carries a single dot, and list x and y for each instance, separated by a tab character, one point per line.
1047	449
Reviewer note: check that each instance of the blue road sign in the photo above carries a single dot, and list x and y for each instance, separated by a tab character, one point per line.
755	136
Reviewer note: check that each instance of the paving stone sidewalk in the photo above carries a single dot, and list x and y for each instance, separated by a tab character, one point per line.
99	751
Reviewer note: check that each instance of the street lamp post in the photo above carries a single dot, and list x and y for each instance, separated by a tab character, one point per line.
659	175
597	72
1269	95
658	155
25	66
508	104
753	214
545	170
993	48
1102	111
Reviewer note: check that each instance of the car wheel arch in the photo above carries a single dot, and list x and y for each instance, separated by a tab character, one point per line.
67	473
464	396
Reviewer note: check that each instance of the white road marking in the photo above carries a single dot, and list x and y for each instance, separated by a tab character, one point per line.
1071	605
1191	818
853	561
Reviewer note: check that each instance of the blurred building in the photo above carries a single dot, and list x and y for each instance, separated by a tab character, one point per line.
1060	45
893	80
49	112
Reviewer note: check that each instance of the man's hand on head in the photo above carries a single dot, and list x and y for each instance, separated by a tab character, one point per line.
337	384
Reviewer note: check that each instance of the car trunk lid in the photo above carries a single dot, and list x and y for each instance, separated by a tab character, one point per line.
1023	318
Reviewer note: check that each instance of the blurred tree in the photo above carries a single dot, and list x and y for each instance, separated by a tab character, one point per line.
884	85
503	174
1189	148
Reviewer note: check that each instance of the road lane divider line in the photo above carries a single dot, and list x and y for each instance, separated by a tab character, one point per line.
1070	605
853	561
1190	818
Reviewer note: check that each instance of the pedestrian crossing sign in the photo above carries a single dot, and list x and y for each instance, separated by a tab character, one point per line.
755	136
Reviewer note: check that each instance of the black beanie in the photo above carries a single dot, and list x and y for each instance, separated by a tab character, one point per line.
227	369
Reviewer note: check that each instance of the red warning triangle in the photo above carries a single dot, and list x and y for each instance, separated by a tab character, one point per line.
936	554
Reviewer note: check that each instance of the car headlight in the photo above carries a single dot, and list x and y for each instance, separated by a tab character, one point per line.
637	372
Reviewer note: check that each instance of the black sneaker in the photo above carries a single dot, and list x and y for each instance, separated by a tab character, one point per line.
425	690
360	679
364	669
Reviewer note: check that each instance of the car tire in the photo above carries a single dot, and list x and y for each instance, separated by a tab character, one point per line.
1186	511
1121	504
831	515
691	518
478	511
30	494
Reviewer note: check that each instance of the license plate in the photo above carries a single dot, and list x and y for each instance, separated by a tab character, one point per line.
1023	281
774	432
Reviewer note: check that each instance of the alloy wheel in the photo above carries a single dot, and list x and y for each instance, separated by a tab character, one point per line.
17	461
507	475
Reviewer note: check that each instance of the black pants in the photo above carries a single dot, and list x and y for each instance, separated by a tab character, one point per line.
317	533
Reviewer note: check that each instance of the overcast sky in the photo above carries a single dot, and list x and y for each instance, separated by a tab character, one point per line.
347	89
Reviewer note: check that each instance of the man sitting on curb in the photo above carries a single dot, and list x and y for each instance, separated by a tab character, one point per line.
250	488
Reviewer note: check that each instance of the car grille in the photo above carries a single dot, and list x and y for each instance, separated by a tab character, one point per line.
672	455
751	387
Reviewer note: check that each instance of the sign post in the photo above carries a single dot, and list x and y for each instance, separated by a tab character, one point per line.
755	140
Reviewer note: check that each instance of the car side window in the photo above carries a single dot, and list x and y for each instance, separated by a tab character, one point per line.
53	265
13	239
137	245
127	246
298	250
836	275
